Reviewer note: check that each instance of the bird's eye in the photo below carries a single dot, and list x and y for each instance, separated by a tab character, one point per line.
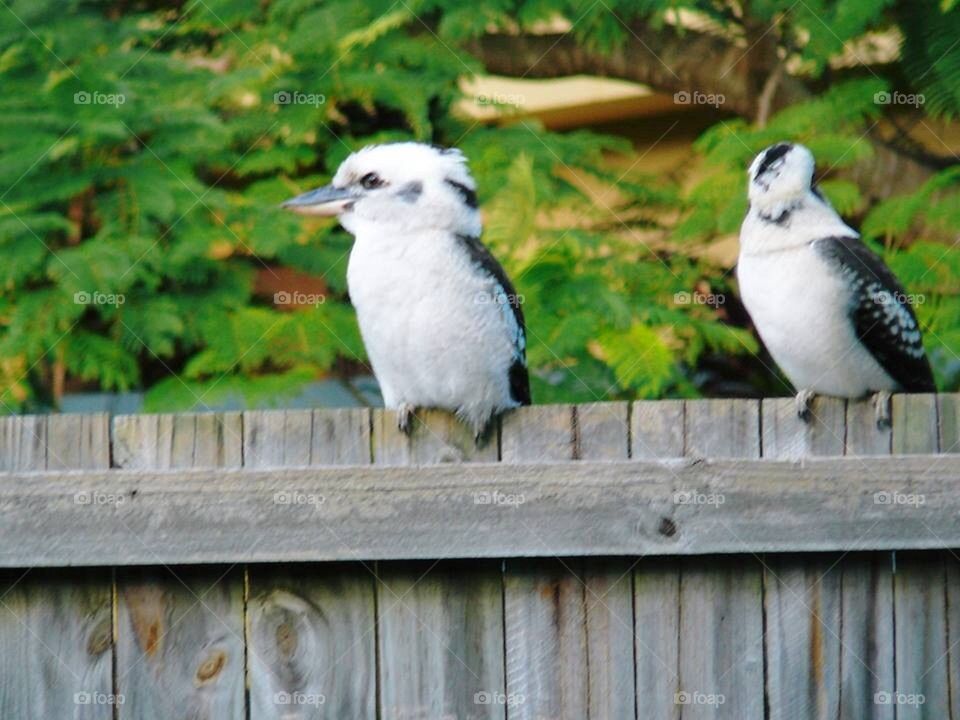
371	181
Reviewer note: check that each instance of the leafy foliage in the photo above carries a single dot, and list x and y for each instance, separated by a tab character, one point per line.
146	148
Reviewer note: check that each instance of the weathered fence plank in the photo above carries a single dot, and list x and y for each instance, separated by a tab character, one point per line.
721	623
441	640
603	433
948	407
312	636
866	662
864	436
23	441
56	627
657	429
656	581
440	624
919	589
545	614
429	512
803	594
864	635
180	644
952	564
867	637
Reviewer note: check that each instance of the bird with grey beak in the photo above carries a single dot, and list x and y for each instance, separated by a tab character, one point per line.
441	322
832	315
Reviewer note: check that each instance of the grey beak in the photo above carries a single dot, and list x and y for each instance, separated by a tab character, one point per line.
324	201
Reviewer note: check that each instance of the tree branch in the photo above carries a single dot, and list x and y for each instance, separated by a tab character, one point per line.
663	59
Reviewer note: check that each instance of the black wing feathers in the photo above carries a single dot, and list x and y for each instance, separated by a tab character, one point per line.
481	256
883	319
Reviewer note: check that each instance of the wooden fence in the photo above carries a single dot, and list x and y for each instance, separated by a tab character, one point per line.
681	560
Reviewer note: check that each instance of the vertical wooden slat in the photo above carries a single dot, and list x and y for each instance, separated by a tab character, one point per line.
436	437
802	593
721	627
867	621
441	640
948	406
657	431
180	644
340	437
920	581
311	629
915	428
603	433
866	662
56	626
864	437
544	600
440	624
23	440
656	428
952	562
787	437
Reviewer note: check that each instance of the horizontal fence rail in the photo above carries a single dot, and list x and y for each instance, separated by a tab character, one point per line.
588	584
489	510
346	485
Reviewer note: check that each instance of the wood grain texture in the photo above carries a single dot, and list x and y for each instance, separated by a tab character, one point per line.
23	440
656	428
803	603
721	623
866	662
919	589
656	581
56	629
544	601
922	656
657	638
787	437
948	409
153	442
180	643
436	437
867	606
540	433
863	435
441	640
440	625
57	639
340	437
952	564
312	631
444	511
603	433
803	593
915	429
312	636
722	428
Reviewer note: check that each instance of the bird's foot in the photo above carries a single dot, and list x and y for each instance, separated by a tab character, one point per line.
405	414
881	409
482	432
804	400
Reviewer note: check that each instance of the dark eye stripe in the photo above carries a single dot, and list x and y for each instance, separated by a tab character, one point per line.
468	195
771	156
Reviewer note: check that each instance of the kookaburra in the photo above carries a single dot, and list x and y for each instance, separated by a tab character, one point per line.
441	322
832	315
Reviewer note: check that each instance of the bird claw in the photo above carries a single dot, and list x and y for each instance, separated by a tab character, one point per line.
404	416
881	409
804	400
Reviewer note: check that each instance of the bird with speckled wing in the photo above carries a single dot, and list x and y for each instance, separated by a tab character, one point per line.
832	315
440	320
